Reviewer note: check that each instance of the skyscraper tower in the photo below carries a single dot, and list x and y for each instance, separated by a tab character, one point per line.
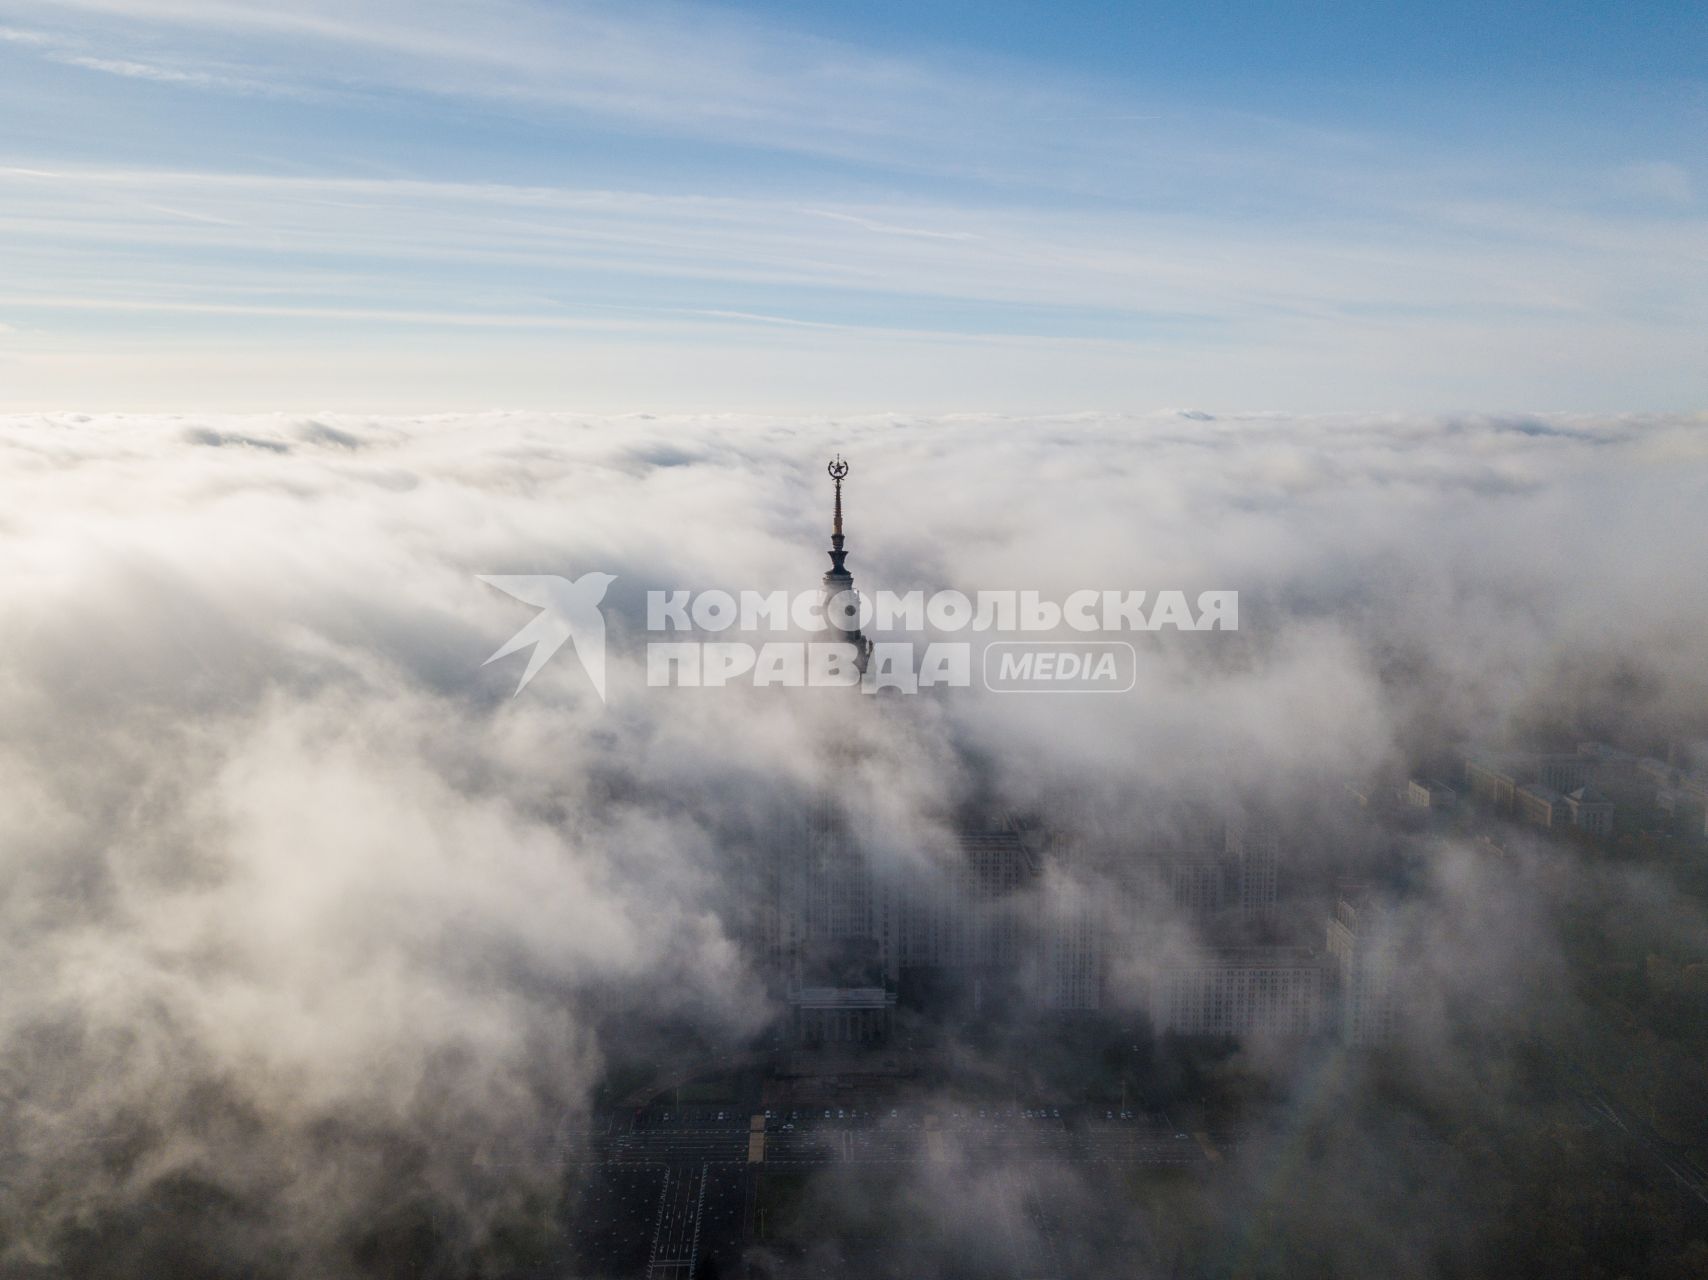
832	906
840	600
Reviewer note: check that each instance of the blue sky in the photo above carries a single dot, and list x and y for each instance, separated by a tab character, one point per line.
810	206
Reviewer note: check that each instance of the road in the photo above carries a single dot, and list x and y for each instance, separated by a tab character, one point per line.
666	1188
676	1238
1605	1109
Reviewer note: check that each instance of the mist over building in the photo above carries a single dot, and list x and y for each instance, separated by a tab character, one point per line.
344	956
868	942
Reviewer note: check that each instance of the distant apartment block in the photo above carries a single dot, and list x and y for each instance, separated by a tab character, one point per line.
1430	793
1538	803
1673	790
1363	793
1071	929
841	1015
1242	991
1686	801
1562	772
1196	884
1361	943
1550	790
1589	810
1493	780
1237	872
1255	852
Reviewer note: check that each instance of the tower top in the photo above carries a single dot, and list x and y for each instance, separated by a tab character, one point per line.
841	601
838	471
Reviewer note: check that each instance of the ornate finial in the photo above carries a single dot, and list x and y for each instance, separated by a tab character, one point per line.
837	469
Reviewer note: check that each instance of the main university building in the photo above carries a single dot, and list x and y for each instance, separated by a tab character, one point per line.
998	918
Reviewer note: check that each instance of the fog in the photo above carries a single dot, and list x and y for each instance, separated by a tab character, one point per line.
318	937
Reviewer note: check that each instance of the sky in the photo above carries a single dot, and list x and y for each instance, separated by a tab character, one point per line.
1001	207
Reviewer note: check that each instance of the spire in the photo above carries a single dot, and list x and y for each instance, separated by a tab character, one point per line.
838	469
841	601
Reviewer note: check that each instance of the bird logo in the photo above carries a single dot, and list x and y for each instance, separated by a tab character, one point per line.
568	610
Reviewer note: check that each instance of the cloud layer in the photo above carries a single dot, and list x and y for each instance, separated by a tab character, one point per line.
313	929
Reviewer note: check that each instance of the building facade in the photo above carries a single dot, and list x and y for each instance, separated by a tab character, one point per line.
1362	944
1242	991
1589	810
1493	781
1430	793
1540	804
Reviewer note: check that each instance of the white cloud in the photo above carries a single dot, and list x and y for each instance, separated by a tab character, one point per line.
1098	308
673	68
298	894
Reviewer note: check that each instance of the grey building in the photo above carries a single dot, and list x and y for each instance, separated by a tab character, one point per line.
1242	991
1430	793
1589	810
1363	947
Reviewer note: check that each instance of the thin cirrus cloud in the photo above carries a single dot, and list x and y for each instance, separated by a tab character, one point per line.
641	268
779	219
689	70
